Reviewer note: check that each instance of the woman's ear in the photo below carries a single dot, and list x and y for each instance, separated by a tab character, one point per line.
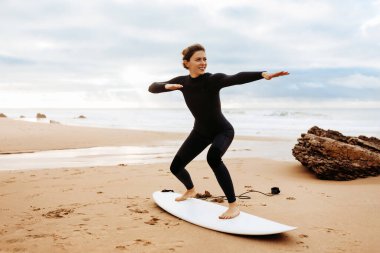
186	63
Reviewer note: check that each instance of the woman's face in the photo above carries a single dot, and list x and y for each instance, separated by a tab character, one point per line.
197	64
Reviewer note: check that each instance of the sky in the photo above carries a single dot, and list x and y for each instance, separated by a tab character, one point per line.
105	53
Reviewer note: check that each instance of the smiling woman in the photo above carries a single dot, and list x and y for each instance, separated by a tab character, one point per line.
201	93
195	57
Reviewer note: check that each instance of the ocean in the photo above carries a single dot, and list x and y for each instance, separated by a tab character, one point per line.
288	123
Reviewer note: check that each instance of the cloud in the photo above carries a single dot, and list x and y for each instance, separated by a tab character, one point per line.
115	49
371	28
357	81
5	59
313	85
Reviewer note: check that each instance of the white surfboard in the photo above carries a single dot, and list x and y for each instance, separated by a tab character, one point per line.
206	214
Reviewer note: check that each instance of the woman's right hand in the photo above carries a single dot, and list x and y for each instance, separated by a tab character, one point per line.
173	86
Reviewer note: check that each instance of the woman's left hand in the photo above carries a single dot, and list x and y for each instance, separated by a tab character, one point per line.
269	76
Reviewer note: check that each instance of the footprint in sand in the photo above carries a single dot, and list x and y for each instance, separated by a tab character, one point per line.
3	231
169	224
332	230
329	230
59	213
9	181
346	240
137	242
143	242
302	243
10	241
122	247
152	221
36	236
35	209
172	245
77	172
132	205
137	210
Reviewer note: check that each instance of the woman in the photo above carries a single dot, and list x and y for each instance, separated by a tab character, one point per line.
201	93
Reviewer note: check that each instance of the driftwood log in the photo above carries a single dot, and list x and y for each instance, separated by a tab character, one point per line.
333	156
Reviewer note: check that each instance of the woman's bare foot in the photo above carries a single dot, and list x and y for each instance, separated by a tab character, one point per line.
232	211
188	194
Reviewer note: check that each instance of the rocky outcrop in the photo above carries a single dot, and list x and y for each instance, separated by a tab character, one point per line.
333	156
2	115
40	116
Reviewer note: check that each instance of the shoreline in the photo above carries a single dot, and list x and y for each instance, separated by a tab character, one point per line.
25	137
17	137
30	145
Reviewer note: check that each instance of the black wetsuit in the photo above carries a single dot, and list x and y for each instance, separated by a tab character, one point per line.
210	127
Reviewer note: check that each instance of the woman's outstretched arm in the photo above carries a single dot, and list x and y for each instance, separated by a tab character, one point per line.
223	80
158	87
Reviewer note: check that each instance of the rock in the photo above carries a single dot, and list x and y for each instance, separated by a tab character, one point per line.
82	117
333	156
40	116
2	115
206	195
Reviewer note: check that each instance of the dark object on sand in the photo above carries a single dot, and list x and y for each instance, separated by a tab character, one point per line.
275	190
2	115
40	116
207	195
201	196
333	156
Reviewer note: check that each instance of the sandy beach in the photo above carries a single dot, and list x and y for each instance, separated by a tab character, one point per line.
110	209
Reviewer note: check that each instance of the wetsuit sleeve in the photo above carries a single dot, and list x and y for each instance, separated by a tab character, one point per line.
221	80
158	87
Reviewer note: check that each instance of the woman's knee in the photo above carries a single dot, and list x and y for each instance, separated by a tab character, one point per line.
176	165
214	157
